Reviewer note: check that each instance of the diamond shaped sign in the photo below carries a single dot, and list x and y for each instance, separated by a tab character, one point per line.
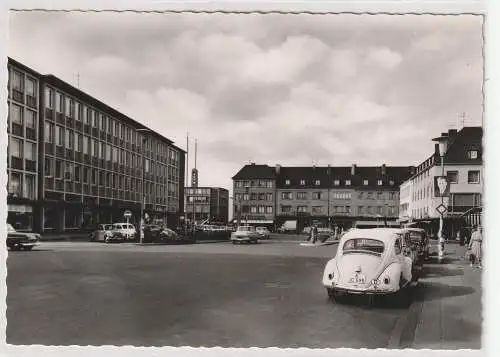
441	209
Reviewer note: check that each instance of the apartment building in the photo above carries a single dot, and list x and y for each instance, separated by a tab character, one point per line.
207	203
463	168
254	190
328	195
93	163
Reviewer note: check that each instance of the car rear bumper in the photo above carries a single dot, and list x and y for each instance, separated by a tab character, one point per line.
362	292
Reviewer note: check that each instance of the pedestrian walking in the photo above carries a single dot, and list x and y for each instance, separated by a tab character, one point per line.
314	231
475	247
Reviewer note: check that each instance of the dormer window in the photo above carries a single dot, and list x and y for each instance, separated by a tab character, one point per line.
336	182
379	182
303	182
317	182
287	182
365	182
348	182
472	154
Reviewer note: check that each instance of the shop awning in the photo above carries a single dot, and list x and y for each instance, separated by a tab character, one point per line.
253	221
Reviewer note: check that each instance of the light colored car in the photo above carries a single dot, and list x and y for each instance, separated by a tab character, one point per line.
246	234
21	240
263	232
125	231
102	233
370	261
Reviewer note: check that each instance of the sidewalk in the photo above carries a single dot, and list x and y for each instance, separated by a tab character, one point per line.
65	236
451	307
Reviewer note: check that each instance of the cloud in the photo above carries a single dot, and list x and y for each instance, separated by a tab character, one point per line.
289	89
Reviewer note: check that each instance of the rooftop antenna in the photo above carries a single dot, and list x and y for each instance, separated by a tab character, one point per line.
78	80
195	151
187	159
462	116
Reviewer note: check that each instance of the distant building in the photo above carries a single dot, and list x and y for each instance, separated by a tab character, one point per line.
207	203
74	162
463	167
331	196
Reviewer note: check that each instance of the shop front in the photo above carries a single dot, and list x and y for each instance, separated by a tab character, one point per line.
21	216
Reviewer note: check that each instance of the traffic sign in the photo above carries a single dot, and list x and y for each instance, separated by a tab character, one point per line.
127	214
441	209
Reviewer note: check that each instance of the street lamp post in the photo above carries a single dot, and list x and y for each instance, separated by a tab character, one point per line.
143	195
442	140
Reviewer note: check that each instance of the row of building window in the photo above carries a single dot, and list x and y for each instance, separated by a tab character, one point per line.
337	182
257	209
21	83
254	197
84	174
95	148
254	183
473	176
22	149
362	210
18	115
78	111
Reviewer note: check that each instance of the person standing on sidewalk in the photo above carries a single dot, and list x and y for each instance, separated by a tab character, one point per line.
476	246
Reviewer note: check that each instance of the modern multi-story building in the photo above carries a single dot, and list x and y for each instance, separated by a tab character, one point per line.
93	162
207	203
329	195
463	166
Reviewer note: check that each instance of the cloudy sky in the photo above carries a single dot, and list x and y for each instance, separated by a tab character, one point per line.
287	89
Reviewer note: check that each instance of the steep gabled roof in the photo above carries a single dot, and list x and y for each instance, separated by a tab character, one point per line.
254	171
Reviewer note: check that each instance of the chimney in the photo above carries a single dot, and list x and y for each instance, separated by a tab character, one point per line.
353	169
384	169
278	169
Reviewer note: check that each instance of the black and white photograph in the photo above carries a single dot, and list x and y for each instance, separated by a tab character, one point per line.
245	180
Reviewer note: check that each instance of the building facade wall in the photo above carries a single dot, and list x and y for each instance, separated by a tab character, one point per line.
255	199
23	145
99	165
207	203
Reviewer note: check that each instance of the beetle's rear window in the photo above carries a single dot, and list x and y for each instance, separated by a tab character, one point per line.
363	244
416	236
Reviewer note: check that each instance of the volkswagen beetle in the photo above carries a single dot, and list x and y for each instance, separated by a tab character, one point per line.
369	262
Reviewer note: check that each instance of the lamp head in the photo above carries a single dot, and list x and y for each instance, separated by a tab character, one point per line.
443	144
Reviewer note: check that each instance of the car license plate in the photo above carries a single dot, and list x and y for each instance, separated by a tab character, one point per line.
357	279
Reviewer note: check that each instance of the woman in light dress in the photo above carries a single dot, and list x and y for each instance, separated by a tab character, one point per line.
476	247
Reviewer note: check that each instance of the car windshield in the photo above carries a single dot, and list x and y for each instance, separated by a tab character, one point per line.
363	245
10	228
118	226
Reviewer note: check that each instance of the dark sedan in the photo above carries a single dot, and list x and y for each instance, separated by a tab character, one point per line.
21	240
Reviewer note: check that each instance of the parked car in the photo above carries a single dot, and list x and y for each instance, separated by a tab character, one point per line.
369	261
246	234
102	232
151	232
288	227
420	239
123	231
263	232
21	240
324	234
